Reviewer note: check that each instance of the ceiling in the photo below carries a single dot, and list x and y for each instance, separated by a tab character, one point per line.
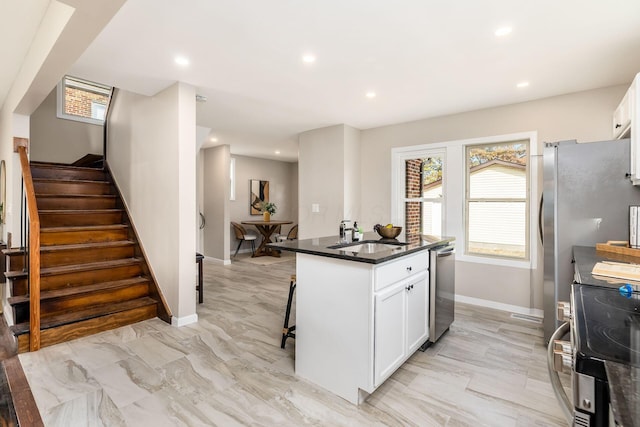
19	21
423	58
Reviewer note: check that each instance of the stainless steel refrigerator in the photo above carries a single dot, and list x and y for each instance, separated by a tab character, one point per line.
586	198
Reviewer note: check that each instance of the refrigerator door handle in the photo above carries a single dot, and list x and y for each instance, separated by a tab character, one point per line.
540	231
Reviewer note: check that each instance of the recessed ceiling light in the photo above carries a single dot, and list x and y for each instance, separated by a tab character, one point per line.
500	32
308	58
370	94
522	84
277	151
213	139
182	61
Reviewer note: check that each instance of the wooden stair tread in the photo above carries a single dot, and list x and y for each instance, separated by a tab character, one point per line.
114	244
89	313
83	228
77	211
15	274
88	266
77	290
72	247
76	196
67	181
13	251
60	166
74	268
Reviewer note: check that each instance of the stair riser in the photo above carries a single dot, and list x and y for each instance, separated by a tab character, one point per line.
58	281
77	219
60	305
76	203
88	327
62	173
76	237
18	287
71	187
15	262
81	256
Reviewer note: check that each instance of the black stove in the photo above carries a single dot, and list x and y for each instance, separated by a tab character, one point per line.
606	324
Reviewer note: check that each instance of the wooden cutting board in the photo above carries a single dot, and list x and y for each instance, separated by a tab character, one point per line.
618	270
618	248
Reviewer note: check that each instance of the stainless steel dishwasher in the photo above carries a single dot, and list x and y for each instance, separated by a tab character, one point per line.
442	290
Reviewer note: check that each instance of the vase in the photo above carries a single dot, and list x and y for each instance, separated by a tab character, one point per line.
266	216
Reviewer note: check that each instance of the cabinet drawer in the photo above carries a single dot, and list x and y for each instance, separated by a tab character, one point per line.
400	269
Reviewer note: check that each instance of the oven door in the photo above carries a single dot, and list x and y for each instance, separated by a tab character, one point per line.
557	359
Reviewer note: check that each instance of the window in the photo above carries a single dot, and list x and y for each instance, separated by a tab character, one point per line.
424	195
497	202
82	100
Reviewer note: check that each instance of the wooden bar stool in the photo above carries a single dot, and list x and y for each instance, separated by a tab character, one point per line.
287	331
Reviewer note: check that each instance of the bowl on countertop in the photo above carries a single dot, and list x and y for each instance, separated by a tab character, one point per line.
389	233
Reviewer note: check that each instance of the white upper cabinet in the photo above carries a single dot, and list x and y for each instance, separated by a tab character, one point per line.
622	116
626	124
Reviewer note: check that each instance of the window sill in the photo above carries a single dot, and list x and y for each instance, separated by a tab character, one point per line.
81	119
526	264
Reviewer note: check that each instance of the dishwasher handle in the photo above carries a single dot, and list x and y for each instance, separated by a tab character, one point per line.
445	251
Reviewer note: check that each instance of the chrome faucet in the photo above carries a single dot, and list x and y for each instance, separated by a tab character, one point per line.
344	228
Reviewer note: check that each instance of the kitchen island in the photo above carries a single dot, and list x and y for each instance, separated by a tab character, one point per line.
361	309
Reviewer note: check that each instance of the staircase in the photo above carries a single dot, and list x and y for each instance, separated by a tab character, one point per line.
93	274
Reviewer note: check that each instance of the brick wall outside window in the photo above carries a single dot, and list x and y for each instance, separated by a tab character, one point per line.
413	210
78	102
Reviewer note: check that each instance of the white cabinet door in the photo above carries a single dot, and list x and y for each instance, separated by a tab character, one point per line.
622	115
417	312
390	332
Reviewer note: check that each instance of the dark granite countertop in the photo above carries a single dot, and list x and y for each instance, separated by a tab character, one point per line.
585	257
322	247
624	391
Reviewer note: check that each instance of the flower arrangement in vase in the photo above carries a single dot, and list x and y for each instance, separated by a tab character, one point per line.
268	209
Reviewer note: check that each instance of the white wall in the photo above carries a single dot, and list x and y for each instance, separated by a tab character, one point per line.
151	153
352	169
216	202
61	140
329	176
585	116
283	191
199	200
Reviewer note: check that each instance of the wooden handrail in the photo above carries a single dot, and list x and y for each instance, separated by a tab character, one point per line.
34	252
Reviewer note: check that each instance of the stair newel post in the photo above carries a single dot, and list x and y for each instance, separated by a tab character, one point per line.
34	252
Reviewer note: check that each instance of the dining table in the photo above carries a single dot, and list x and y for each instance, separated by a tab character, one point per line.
266	229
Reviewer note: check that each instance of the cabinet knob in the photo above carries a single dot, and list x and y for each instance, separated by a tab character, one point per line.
564	311
618	125
409	269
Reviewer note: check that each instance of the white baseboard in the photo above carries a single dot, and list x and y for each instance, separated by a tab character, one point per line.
218	260
500	306
182	321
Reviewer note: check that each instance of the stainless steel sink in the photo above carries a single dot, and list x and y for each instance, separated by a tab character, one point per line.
368	247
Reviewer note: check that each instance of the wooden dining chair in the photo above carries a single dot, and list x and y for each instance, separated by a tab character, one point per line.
243	236
291	235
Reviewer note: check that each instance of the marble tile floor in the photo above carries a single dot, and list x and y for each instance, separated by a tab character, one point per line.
229	370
